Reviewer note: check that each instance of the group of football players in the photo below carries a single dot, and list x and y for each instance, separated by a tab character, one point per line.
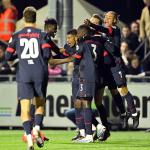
94	49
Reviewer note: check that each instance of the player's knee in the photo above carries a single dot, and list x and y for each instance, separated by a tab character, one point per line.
123	91
69	113
77	104
39	102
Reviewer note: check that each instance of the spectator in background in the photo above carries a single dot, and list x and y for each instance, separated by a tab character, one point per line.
4	66
135	28
135	67
8	17
130	38
123	49
145	22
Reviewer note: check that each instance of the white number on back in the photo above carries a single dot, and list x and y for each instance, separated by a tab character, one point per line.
31	49
94	50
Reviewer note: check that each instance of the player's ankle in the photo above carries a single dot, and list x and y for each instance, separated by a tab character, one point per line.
29	140
134	114
82	132
37	127
93	128
123	114
35	132
99	126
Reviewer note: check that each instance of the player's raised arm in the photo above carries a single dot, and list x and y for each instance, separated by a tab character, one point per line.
100	28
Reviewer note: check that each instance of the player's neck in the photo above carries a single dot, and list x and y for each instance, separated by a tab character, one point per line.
29	24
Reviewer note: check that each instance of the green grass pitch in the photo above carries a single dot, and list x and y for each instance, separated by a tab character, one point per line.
61	140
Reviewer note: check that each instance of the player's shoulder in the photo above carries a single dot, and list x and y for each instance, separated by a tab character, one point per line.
116	28
44	34
15	35
96	37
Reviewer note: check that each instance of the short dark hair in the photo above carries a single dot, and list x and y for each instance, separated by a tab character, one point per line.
49	21
86	28
72	32
29	14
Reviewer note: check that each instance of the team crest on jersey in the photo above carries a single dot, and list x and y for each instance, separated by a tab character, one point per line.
77	47
29	30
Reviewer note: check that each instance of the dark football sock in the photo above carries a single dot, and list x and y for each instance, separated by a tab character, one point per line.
94	121
88	120
27	127
103	115
32	113
79	118
119	103
39	119
130	102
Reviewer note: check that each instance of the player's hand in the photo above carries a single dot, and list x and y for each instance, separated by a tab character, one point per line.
87	22
62	50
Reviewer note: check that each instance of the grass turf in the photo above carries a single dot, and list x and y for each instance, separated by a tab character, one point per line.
60	140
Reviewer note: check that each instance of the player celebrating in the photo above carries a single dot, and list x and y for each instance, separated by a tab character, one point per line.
87	54
111	30
104	78
33	53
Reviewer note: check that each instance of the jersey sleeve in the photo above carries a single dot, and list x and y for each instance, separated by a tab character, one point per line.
54	47
10	50
45	46
46	49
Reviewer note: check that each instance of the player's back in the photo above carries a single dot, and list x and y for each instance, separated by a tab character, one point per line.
87	63
28	45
